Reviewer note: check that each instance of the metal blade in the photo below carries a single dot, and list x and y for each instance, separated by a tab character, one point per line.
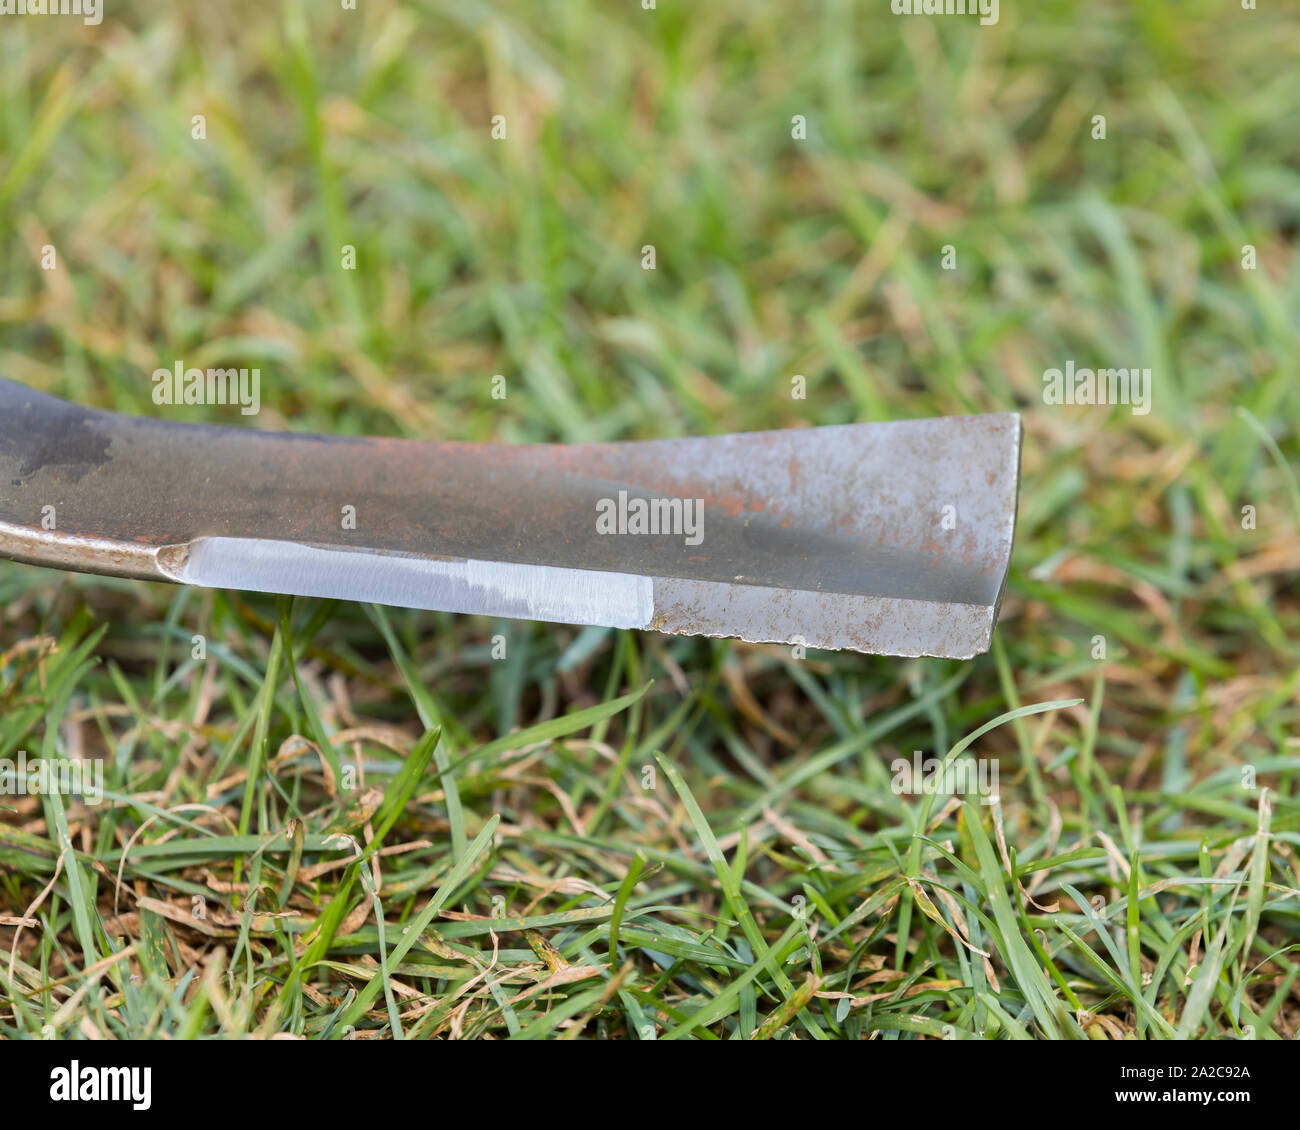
890	538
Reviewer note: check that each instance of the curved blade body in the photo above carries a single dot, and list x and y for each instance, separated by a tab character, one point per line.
892	538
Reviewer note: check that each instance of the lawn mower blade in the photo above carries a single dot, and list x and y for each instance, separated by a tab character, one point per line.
889	538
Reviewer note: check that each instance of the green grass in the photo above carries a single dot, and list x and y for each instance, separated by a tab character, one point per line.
346	822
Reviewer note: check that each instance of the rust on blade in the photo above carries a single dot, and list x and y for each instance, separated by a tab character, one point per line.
890	537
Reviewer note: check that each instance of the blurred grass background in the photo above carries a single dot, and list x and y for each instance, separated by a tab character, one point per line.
820	914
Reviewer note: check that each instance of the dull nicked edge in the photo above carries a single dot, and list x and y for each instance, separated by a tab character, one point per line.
104	556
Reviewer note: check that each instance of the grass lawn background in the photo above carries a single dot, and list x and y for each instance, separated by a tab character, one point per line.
623	835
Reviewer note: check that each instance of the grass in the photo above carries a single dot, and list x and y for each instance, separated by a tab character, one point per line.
342	822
